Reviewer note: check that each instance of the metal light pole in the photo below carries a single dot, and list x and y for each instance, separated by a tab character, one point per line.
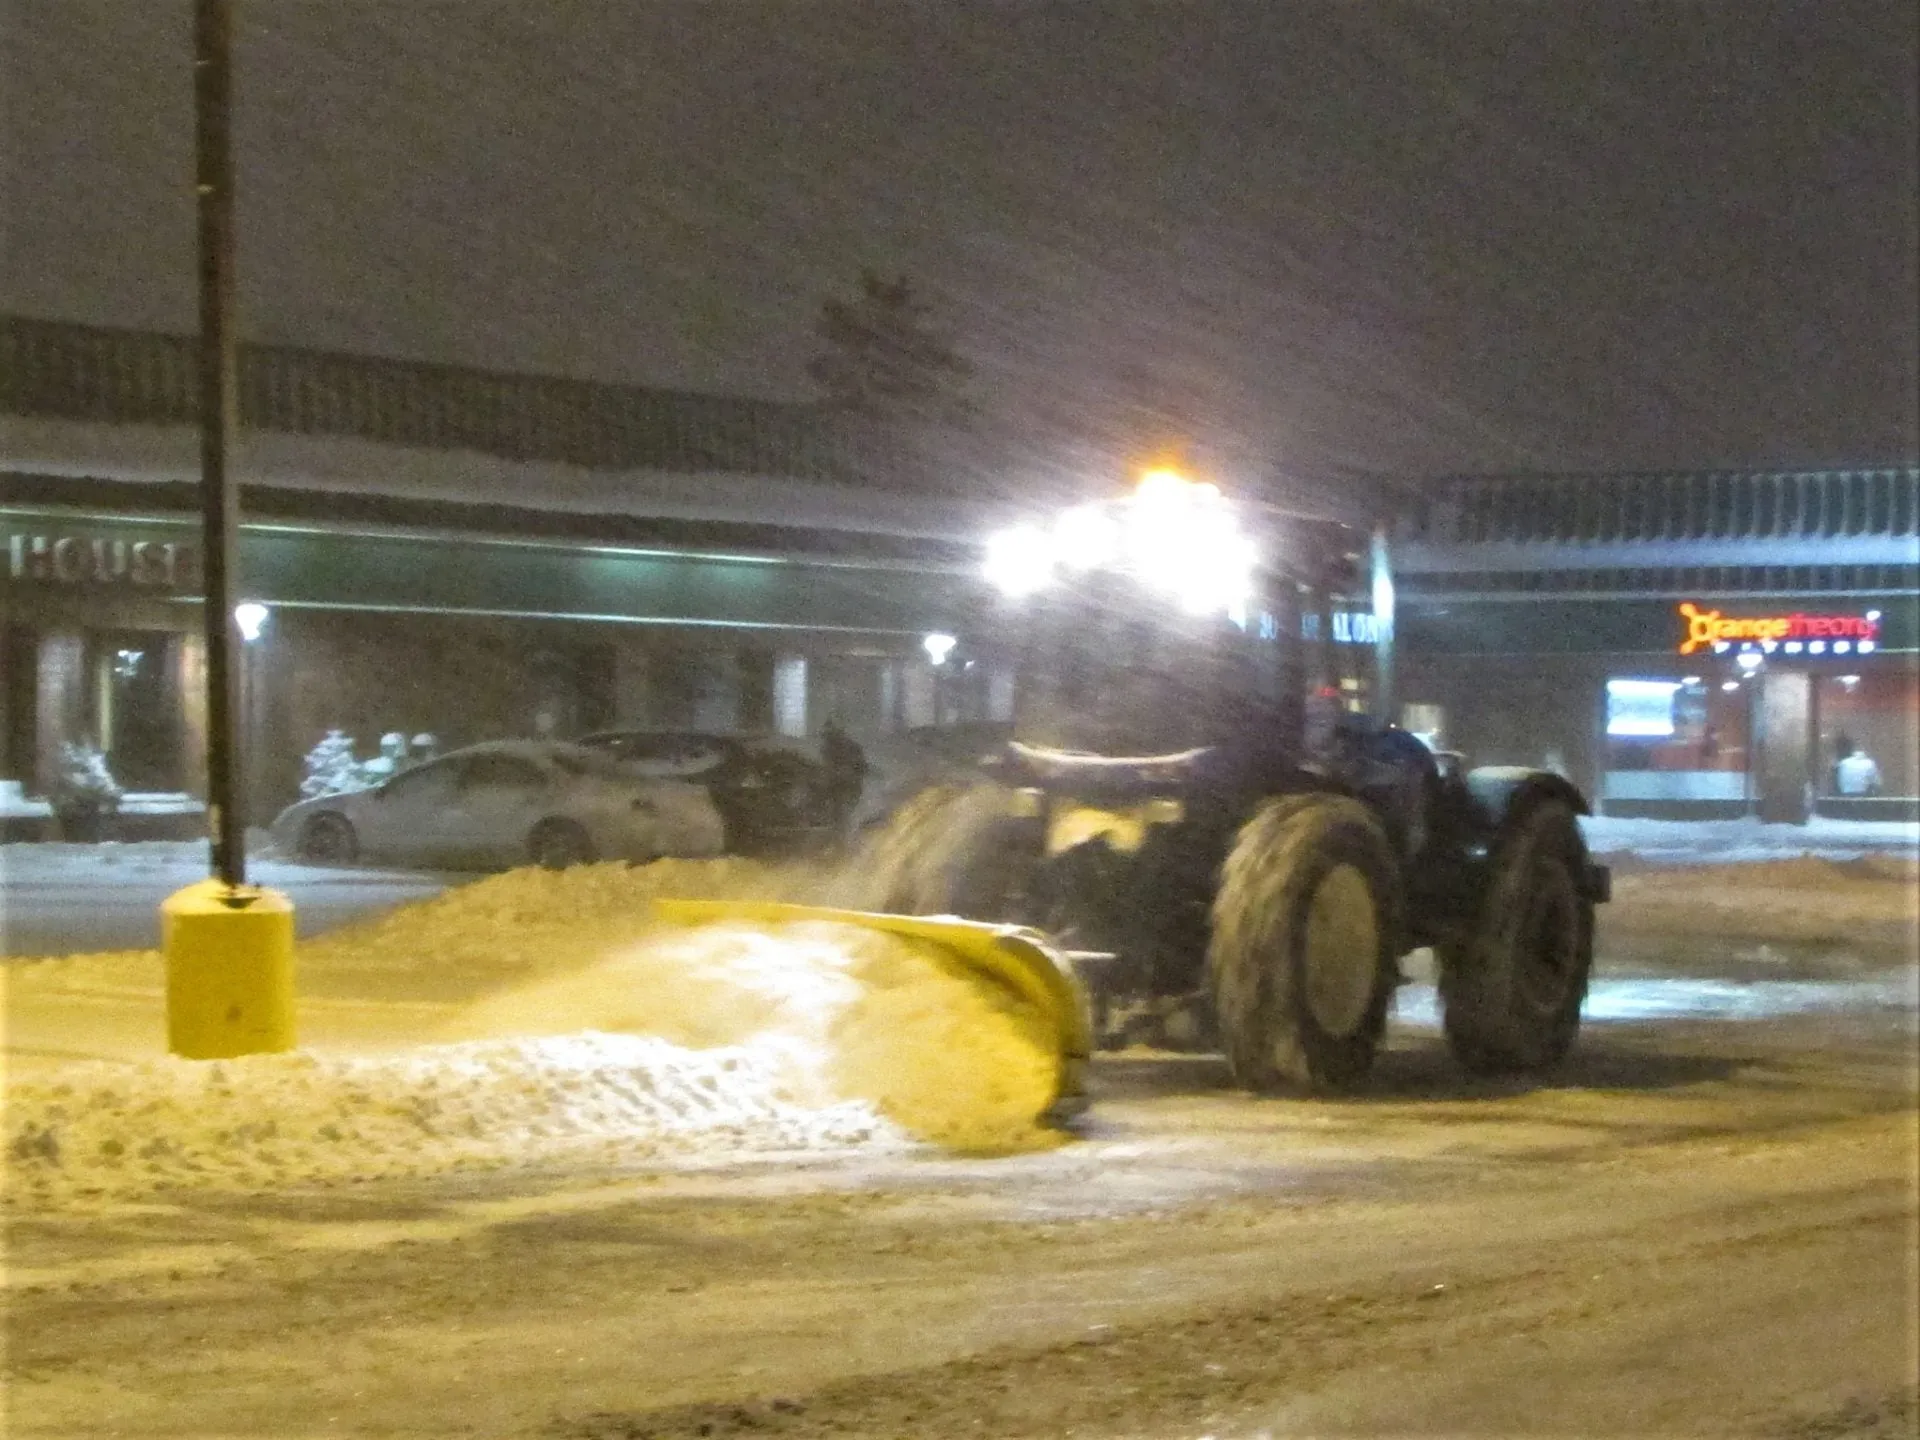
228	945
219	418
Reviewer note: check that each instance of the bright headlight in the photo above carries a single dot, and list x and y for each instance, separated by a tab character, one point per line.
1086	537
1181	538
1186	541
1019	561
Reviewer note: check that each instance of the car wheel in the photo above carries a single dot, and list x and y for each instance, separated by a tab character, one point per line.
557	844
329	839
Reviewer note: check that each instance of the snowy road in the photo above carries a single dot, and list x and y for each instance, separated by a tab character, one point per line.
1704	1224
1702	1227
68	899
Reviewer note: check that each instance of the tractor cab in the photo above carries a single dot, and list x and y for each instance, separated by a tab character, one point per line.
1163	640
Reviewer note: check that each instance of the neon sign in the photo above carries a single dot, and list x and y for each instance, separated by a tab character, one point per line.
1794	634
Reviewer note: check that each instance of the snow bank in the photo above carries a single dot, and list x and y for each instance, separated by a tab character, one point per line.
532	922
1744	841
267	1121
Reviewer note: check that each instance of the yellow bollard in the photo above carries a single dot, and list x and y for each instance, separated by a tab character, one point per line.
229	956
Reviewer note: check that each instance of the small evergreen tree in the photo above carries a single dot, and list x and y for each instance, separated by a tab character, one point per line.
895	385
83	785
885	358
332	768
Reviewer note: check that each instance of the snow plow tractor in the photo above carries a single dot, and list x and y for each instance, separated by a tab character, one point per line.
1199	810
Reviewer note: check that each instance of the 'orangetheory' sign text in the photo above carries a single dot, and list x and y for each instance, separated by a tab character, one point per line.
1795	634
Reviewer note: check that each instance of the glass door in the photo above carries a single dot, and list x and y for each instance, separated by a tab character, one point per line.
134	706
20	674
1869	761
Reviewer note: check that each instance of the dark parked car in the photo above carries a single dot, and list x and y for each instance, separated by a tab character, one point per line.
772	795
905	764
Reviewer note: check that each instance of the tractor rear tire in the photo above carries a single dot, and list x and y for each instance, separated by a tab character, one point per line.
1302	955
1512	988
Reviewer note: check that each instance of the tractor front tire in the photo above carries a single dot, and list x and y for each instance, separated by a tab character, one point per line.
1304	943
1512	988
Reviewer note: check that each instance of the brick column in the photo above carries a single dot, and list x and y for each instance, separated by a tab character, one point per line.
1785	734
190	674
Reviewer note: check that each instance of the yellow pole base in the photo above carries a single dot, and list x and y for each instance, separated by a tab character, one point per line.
229	955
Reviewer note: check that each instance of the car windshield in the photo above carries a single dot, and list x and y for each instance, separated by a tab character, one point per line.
584	762
664	753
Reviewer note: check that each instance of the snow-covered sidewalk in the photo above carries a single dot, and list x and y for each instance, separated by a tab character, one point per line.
60	862
1705	842
1732	842
15	806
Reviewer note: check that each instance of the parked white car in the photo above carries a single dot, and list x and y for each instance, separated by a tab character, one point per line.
503	804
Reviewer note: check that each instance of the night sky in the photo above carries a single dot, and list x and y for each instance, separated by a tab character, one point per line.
1530	234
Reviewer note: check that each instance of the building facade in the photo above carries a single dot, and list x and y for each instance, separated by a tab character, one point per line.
1689	644
469	556
440	553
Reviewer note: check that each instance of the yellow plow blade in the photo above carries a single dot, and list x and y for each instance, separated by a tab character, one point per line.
1010	956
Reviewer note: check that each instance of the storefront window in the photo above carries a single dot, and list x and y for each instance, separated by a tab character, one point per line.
790	695
1427	721
1681	740
1867	725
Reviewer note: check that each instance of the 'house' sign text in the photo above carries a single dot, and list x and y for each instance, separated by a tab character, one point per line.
82	560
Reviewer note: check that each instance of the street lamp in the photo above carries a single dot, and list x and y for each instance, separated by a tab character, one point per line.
251	618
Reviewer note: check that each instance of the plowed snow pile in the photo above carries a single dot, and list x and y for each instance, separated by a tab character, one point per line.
530	922
1871	901
616	1041
872	1017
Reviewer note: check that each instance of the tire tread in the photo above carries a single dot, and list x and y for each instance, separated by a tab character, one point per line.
1270	1040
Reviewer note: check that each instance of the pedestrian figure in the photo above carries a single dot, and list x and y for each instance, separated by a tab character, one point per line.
846	772
1854	771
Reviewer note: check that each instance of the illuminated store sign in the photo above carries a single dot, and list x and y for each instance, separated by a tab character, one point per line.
1350	627
90	560
1794	634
